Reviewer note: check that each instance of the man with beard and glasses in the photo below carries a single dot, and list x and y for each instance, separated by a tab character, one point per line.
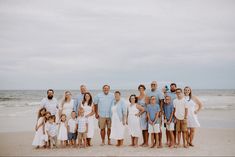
50	103
171	93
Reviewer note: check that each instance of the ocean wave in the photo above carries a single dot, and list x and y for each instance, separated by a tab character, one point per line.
8	99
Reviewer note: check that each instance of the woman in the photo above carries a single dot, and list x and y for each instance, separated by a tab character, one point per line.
134	111
118	118
194	106
143	117
89	112
66	106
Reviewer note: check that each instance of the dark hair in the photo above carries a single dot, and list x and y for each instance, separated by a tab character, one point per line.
190	94
39	112
105	86
141	85
50	90
84	99
52	117
173	84
179	89
62	116
117	92
133	95
47	112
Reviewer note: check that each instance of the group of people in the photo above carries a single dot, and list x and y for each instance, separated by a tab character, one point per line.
72	121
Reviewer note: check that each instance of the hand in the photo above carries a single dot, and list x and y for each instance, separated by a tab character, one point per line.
168	123
86	116
165	121
97	116
137	114
195	112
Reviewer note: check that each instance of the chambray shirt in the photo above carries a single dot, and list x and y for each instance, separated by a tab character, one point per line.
152	110
121	108
172	95
104	103
78	102
157	93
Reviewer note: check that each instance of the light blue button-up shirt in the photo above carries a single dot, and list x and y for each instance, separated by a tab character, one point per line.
157	93
121	108
77	102
104	103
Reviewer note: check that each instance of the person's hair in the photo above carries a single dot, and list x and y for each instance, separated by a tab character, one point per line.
106	85
133	95
152	97
62	116
141	85
167	96
117	92
52	117
47	112
179	89
64	98
190	94
50	90
84	99
39	112
173	84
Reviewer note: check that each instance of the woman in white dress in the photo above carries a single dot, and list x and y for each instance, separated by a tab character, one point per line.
39	137
89	112
66	106
194	106
134	111
118	119
63	132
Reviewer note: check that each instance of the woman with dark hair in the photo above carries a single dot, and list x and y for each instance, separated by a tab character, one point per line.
143	116
194	106
134	111
89	111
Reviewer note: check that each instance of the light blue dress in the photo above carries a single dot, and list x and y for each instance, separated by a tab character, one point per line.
143	121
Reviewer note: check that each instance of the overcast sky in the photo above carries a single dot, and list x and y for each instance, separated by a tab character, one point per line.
62	44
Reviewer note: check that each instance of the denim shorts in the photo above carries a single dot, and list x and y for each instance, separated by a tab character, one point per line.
72	136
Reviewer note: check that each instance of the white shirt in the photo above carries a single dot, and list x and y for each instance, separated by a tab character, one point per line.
50	105
180	105
72	125
52	129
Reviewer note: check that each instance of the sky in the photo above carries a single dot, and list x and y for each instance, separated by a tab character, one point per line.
63	44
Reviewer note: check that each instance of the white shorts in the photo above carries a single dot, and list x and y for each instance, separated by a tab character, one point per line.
170	127
153	128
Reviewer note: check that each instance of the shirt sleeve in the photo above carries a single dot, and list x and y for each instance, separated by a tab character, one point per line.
42	104
96	100
174	103
160	95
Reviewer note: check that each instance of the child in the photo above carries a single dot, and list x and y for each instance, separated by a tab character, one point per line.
82	125
153	110
51	132
169	121
47	115
72	129
39	138
63	132
181	113
133	120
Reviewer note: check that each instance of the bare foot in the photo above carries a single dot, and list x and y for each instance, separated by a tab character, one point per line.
145	145
142	144
109	142
152	146
131	145
190	144
185	146
102	144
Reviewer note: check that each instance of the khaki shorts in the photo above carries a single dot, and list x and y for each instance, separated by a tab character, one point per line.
82	135
181	125
104	122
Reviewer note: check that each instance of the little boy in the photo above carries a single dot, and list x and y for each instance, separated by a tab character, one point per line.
72	129
82	125
51	130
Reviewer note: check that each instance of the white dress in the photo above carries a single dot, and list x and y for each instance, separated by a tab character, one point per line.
134	121
67	108
39	137
63	133
91	128
192	117
117	127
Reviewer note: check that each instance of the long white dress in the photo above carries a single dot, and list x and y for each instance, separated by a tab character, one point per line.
67	108
192	117
63	133
39	137
90	119
117	127
134	121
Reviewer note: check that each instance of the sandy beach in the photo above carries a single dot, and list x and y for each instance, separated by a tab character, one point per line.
209	141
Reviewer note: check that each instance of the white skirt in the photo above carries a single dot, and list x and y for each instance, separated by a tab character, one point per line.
39	138
134	126
63	134
91	127
117	128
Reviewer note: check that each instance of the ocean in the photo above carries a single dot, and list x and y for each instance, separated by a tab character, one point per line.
23	104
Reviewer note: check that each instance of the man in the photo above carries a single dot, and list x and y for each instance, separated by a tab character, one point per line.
159	100
181	113
171	93
103	102
79	99
50	103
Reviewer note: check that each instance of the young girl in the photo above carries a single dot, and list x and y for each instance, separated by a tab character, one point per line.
47	141
133	120
39	138
63	132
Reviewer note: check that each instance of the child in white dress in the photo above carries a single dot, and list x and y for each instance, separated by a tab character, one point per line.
39	138
133	120
63	132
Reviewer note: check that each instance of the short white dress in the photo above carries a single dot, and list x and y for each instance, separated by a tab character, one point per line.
91	127
192	117
63	133
117	127
134	121
39	137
